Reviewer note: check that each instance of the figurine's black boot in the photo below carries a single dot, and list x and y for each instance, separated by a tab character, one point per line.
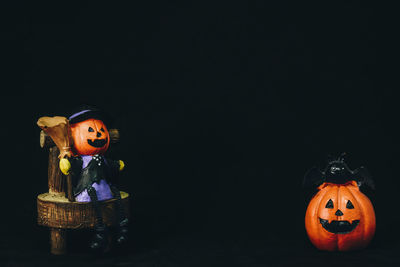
99	242
122	227
122	235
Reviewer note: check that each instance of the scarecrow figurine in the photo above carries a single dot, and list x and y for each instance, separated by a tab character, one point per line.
93	176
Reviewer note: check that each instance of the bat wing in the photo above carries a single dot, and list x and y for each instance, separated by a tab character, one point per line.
313	178
364	178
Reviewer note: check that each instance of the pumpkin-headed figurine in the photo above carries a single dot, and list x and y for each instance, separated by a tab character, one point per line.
93	175
339	216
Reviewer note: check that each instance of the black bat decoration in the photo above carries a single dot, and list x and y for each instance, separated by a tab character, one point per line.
337	172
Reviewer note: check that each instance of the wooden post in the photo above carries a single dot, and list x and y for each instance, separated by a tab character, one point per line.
56	181
70	194
114	136
58	241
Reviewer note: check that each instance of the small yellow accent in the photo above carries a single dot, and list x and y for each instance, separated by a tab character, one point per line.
121	165
65	166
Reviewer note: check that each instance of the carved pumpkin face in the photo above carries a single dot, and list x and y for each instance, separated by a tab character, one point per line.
340	217
90	137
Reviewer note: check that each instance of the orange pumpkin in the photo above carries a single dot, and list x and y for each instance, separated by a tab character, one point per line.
90	137
340	217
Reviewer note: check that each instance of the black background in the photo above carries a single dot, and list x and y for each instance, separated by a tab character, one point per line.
222	108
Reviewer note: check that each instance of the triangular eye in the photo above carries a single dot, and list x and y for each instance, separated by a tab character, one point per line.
349	205
90	129
329	204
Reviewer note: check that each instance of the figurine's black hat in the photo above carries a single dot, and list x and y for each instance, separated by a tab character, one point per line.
87	112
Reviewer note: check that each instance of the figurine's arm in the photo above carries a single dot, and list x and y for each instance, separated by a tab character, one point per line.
70	165
115	165
114	169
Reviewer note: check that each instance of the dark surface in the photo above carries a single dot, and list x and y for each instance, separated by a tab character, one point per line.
222	109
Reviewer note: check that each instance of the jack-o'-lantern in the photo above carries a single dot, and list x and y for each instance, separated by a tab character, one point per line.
340	217
90	137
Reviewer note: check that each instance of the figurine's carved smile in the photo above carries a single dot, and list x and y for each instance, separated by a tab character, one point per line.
97	142
339	227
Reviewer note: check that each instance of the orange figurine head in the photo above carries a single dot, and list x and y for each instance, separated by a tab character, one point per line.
90	137
89	134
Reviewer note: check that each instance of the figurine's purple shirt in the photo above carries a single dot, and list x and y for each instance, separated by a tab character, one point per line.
102	188
86	159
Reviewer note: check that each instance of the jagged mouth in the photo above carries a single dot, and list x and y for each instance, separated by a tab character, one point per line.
97	142
339	227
